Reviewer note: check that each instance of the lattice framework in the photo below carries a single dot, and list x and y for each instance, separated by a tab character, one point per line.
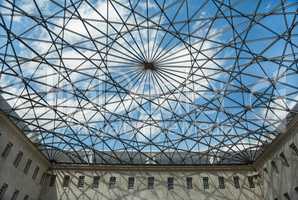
149	82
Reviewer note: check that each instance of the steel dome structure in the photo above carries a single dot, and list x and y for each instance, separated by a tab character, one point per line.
162	82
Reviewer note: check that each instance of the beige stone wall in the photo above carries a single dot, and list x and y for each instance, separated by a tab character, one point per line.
280	179
160	191
15	178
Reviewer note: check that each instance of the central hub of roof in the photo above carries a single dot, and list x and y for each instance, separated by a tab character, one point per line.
149	66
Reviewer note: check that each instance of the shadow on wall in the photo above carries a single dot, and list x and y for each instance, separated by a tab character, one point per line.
48	188
81	186
281	175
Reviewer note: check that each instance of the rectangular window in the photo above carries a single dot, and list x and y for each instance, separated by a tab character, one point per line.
15	195
251	182
112	182
294	148
27	166
81	181
151	183
18	159
53	180
3	190
66	180
236	182
221	182
131	182
274	166
189	183
205	183
287	196
170	183
96	181
43	179
35	173
284	159
7	150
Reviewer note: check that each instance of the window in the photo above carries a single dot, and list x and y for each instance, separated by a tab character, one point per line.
205	183
53	180
3	190
27	166
131	182
112	183
43	178
236	182
284	159
151	183
26	197
95	181
81	181
18	159
287	196
170	183
294	148
221	182
15	195
35	173
7	150
274	166
189	183
66	181
251	182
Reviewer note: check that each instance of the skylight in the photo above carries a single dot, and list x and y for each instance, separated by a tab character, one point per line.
149	82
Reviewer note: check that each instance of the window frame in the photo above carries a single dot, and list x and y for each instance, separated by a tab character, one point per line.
236	180
81	181
53	180
66	181
95	183
15	194
7	149
170	183
189	183
131	182
35	172
205	183
112	182
150	182
221	182
18	159
43	178
251	182
27	166
3	190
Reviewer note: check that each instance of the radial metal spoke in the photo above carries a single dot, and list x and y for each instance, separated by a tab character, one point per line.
156	81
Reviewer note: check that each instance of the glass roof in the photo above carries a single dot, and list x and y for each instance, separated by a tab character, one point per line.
149	81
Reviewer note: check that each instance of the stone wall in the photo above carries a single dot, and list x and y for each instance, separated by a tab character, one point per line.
160	191
279	166
14	178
